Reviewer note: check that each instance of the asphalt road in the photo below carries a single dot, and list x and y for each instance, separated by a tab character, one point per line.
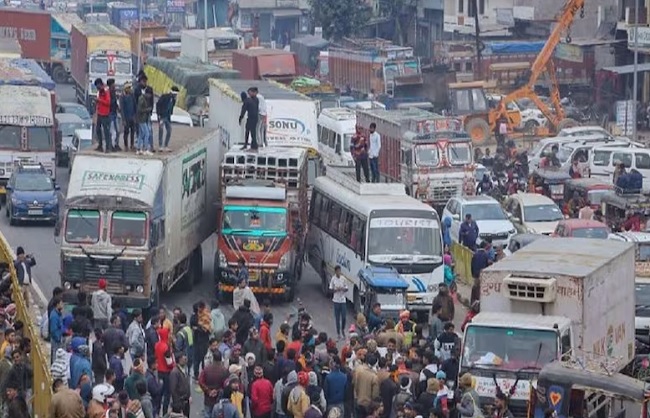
40	241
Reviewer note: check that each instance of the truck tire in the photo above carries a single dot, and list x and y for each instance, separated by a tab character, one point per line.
197	265
479	130
567	123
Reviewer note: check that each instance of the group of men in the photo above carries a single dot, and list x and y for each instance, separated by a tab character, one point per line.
365	153
135	108
254	109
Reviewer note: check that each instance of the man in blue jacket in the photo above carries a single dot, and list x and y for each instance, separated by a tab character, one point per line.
81	366
335	385
56	328
468	233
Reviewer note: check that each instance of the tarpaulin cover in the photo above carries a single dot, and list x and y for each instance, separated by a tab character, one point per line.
513	47
24	72
191	78
305	82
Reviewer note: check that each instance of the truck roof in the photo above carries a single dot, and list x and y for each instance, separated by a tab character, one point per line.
182	136
518	320
268	89
397	116
576	257
66	20
99	29
24	72
31	104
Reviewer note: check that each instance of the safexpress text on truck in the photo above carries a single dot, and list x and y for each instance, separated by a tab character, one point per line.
139	222
573	299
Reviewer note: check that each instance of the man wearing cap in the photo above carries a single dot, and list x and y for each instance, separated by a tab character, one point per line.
102	304
164	110
127	108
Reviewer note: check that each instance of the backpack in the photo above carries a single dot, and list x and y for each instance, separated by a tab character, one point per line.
45	328
219	411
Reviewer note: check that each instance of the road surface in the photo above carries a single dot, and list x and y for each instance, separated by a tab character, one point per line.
40	241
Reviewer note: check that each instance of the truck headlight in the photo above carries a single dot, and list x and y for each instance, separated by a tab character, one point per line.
431	288
284	262
67	285
139	289
223	262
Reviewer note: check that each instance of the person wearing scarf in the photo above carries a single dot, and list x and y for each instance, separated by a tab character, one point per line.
406	327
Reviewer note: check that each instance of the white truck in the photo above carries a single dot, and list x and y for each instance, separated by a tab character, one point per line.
139	221
220	44
573	299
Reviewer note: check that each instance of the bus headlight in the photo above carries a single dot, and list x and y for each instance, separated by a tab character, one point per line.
431	288
284	262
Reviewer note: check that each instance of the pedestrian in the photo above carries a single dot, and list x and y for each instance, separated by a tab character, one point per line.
201	324
165	109
211	381
165	364
446	303
154	384
115	364
145	399
136	376
23	265
16	406
366	385
261	395
179	384
265	331
339	288
480	260
102	305
298	401
246	321
135	336
263	117
255	346
113	336
184	341
250	108
128	108
142	117
218	320
114	110
314	410
66	403
103	121
373	152
56	328
243	292
359	151
468	233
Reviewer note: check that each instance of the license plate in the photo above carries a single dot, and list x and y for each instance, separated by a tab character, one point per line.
35	212
411	298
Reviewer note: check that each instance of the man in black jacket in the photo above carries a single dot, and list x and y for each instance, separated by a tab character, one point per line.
164	110
250	106
245	321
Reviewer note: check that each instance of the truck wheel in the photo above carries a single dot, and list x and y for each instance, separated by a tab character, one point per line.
567	123
197	266
59	75
479	130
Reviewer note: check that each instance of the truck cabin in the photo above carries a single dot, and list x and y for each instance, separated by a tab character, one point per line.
577	391
437	150
111	64
384	286
468	98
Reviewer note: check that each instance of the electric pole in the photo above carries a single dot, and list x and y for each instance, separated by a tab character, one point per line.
477	31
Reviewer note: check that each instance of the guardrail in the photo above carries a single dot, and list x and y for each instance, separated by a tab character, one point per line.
42	389
463	263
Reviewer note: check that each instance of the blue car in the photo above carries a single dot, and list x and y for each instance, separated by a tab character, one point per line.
32	196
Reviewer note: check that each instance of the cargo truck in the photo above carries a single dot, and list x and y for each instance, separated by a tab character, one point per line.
10	48
572	300
430	154
139	222
123	15
99	51
291	120
43	36
143	37
307	49
263	220
221	42
265	64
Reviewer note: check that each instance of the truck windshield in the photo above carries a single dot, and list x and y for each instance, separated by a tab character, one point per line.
129	229
404	239
254	220
40	138
82	226
10	136
459	154
508	348
122	66
427	155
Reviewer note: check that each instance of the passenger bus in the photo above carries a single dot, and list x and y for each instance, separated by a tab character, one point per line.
354	225
335	129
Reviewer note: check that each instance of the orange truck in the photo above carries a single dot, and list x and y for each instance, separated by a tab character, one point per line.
265	64
263	220
140	41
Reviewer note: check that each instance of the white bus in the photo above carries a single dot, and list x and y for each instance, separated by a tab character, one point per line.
354	225
336	126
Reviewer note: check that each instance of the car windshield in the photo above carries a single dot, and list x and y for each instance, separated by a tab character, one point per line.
129	229
459	154
77	110
601	158
642	294
508	348
40	138
542	213
33	182
564	154
403	239
643	252
82	226
67	129
427	155
254	220
598	233
484	212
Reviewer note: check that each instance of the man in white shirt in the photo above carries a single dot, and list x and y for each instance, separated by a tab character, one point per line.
261	124
339	287
373	152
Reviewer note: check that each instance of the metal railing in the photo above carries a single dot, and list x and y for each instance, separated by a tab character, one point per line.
42	389
463	263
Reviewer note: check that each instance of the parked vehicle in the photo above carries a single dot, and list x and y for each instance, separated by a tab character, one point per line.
385	286
587	315
123	15
221	43
82	140
549	182
581	228
67	124
75	108
519	241
589	189
265	64
488	214
122	211
573	148
336	126
603	163
31	195
617	208
533	213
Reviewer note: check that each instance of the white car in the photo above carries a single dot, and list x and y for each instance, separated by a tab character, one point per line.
533	213
489	216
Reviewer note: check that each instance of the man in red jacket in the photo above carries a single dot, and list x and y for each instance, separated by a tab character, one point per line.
261	395
165	363
103	111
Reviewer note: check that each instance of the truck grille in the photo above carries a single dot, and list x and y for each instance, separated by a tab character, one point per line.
444	193
112	288
86	270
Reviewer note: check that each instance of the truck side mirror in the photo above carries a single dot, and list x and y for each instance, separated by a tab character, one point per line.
57	229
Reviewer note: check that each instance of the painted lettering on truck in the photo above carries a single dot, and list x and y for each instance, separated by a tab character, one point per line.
193	198
605	345
22	34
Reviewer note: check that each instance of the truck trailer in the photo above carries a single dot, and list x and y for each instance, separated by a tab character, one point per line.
99	51
221	42
139	221
429	153
571	300
265	64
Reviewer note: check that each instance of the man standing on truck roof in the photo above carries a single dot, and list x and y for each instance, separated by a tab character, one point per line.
261	124
103	111
127	107
359	151
164	110
373	152
250	107
113	113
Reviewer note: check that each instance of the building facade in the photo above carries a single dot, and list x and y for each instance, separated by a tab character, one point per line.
276	20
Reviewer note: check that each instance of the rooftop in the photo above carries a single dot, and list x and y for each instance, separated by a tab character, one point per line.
99	29
268	89
530	199
27	103
66	20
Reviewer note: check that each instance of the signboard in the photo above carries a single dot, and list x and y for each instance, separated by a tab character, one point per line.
194	191
625	116
292	123
568	52
175	6
101	179
505	17
403	223
643	37
23	120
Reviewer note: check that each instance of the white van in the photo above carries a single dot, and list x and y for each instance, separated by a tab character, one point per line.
570	148
336	126
603	160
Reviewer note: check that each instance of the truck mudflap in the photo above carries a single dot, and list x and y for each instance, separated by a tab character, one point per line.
255	289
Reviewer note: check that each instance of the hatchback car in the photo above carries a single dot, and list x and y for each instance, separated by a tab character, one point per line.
533	213
489	216
32	196
68	123
581	228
